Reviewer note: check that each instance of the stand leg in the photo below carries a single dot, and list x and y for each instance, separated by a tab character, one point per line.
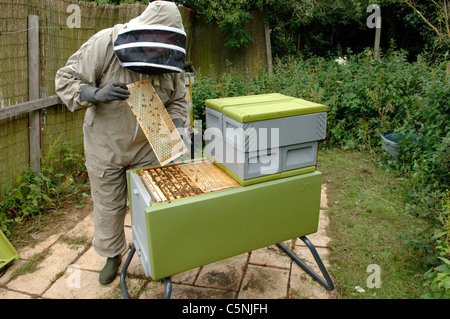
327	283
168	291
123	275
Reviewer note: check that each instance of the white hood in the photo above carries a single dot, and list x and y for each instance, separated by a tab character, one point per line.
160	13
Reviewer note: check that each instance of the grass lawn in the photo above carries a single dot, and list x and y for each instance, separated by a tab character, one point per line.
365	221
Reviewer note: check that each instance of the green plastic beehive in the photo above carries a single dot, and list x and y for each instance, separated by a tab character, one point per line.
194	231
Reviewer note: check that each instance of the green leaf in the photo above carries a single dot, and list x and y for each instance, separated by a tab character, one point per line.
441	268
445	260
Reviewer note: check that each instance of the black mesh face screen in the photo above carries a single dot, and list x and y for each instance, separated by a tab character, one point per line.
151	60
159	36
151	50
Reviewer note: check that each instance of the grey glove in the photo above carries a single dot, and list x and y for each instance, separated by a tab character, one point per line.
179	124
111	91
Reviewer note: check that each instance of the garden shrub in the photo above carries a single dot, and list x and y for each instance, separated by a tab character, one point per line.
36	194
438	278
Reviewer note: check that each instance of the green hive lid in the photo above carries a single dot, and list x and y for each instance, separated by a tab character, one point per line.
219	104
264	107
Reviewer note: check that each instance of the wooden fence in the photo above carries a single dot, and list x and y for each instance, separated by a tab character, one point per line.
36	40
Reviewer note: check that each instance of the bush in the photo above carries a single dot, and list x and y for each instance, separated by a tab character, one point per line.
32	196
438	278
41	193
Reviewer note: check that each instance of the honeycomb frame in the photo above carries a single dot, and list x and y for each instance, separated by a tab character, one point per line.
155	121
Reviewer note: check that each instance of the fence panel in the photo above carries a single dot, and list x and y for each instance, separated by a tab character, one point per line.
13	52
59	38
60	35
208	48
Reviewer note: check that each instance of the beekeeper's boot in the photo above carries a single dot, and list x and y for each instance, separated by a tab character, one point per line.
109	271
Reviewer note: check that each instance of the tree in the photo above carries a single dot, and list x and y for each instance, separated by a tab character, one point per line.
323	26
435	13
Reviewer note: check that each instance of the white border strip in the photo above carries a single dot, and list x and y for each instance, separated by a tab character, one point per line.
161	27
149	45
172	68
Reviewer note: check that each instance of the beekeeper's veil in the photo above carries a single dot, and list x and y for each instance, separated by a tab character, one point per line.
154	42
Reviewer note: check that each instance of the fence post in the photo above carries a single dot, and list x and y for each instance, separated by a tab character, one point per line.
376	51
34	119
268	49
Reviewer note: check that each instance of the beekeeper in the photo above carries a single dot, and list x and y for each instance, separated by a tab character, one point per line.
150	46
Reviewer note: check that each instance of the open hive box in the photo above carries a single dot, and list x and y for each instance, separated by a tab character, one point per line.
211	217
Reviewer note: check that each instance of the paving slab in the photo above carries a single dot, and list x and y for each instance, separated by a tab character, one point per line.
135	286
319	238
264	283
153	290
305	254
79	284
59	256
91	261
194	292
10	294
303	286
324	197
29	251
271	256
135	268
186	277
83	229
224	274
11	268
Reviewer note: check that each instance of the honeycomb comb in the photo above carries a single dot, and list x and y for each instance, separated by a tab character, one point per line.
155	121
208	176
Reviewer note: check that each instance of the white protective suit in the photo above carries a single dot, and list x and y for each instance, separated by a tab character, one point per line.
113	140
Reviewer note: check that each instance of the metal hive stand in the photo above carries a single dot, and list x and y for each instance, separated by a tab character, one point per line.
327	283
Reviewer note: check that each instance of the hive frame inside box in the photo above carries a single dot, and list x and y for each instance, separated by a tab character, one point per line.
186	233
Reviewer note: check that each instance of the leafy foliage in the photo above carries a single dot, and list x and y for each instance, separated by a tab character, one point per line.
435	13
38	194
438	278
231	17
324	26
